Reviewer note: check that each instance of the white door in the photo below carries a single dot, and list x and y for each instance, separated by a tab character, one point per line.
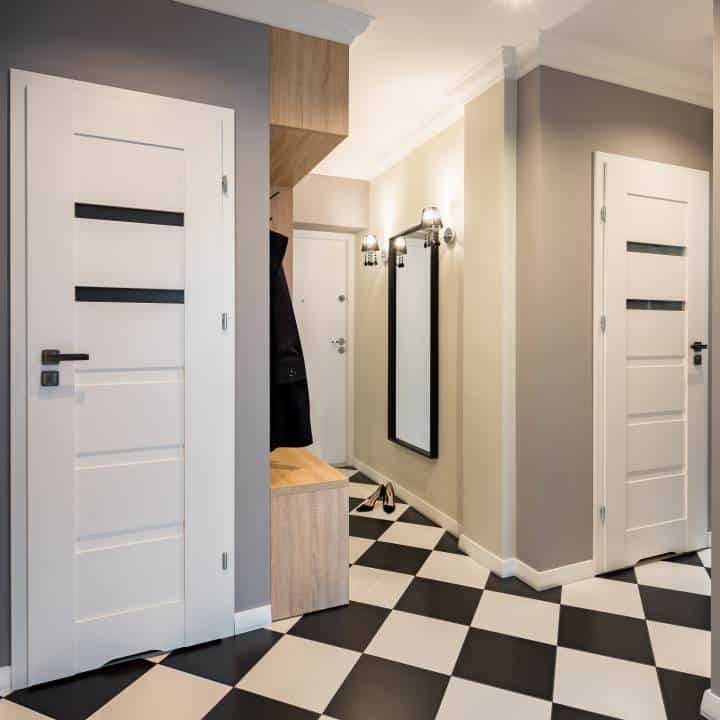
130	462
651	401
320	299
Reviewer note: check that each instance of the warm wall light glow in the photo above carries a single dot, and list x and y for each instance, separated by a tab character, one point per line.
400	245
369	248
431	217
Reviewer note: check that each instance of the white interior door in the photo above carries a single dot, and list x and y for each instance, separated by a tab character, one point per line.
320	299
130	460
651	288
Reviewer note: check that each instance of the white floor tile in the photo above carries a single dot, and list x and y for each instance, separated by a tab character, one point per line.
377	587
380	514
452	568
358	547
607	686
466	700
706	557
361	490
283	626
300	672
11	711
164	692
611	596
422	536
518	616
420	641
674	576
680	648
158	658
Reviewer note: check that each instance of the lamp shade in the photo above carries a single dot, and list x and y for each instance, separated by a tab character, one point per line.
431	217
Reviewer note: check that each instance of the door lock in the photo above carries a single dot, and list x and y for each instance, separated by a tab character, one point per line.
55	357
697	348
339	341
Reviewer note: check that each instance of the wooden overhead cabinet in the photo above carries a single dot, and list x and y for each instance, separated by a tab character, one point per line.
309	103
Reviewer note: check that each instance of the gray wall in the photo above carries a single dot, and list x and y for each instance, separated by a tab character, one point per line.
563	118
161	47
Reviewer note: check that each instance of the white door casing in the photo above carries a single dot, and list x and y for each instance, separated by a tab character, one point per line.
320	279
651	298
122	247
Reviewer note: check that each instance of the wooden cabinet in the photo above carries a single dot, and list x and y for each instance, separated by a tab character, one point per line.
309	534
309	103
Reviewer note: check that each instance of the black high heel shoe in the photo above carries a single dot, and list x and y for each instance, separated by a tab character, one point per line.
389	499
369	503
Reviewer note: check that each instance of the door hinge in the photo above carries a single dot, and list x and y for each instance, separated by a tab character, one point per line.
603	323
224	561
603	513
603	214
225	184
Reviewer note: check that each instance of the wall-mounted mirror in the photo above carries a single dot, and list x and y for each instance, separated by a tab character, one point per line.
413	344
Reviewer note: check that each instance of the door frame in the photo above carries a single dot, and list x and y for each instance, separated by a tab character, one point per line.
599	170
350	240
20	80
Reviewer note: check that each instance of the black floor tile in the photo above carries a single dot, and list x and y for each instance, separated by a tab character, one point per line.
682	693
507	662
515	586
411	515
378	689
626	575
240	704
562	712
359	477
616	636
449	543
225	661
691	558
352	626
370	528
353	503
398	558
444	601
78	697
676	608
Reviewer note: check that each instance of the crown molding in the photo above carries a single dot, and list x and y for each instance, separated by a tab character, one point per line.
562	53
310	17
499	66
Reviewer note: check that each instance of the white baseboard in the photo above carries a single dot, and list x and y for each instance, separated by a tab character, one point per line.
252	619
5	680
710	707
709	539
563	575
503	567
421	505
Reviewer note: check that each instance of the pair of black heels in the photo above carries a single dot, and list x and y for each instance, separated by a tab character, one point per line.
384	494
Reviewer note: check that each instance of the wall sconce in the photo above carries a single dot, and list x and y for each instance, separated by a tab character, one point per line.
370	249
431	229
400	247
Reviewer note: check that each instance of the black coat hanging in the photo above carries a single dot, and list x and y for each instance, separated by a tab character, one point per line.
289	395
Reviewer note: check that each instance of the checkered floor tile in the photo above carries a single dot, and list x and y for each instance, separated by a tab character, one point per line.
429	634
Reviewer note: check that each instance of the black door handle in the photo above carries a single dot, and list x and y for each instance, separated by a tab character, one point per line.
55	357
697	346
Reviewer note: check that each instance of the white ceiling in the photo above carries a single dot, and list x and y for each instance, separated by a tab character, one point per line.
405	70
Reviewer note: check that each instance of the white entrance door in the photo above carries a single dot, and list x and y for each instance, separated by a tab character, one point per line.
651	387
126	261
320	299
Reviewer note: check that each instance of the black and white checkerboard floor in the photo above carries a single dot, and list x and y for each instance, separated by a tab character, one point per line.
430	634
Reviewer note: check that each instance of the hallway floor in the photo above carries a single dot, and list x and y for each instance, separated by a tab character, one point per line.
429	634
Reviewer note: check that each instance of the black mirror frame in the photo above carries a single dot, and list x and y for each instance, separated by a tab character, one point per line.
433	452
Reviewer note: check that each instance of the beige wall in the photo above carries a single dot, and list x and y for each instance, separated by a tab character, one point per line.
487	487
431	175
563	118
323	202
